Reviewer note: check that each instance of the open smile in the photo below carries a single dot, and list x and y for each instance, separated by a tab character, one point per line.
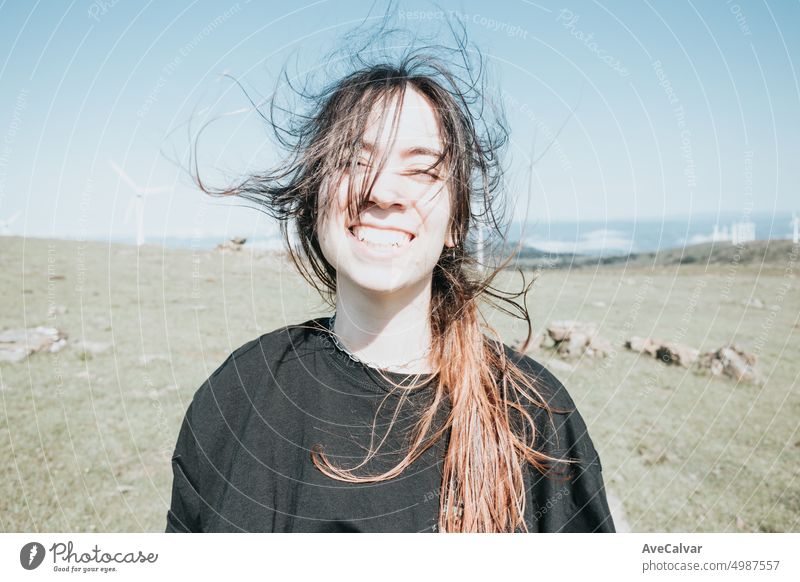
384	248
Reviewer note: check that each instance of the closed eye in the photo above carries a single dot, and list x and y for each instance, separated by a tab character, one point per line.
429	175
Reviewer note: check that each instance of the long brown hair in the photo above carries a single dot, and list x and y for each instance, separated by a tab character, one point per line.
491	421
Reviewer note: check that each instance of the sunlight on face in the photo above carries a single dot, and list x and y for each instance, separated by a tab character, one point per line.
408	197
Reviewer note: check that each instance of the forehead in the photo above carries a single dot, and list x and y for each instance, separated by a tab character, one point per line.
418	124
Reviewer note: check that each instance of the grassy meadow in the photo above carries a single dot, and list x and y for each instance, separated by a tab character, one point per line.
86	434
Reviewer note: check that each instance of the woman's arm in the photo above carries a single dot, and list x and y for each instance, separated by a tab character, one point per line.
183	515
591	512
579	503
588	507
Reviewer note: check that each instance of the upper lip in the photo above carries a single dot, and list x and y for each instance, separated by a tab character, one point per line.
382	227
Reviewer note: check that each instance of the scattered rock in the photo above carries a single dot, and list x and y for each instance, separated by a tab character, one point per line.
573	345
576	338
668	352
599	347
54	310
546	342
731	361
570	339
642	345
234	244
562	330
124	488
677	354
18	344
753	302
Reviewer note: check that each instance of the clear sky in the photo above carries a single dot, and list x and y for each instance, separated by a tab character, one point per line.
683	108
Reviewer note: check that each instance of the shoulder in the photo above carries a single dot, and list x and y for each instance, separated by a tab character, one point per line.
552	390
233	386
565	430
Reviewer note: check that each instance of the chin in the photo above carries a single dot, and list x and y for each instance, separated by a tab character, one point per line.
379	281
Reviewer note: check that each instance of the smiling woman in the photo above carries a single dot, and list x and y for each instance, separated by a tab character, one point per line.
385	250
379	183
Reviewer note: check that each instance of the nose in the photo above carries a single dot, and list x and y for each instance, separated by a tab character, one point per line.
388	190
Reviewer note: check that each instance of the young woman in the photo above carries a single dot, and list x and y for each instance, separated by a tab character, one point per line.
396	413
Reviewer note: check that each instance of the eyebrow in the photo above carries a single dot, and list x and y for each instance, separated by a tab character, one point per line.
408	152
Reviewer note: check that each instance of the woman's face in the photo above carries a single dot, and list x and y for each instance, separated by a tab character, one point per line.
399	237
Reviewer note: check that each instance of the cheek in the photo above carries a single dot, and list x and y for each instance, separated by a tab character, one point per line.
328	209
441	216
324	234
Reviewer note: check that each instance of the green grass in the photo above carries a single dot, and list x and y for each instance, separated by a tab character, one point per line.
85	440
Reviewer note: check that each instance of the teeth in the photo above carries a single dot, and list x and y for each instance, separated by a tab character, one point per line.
381	237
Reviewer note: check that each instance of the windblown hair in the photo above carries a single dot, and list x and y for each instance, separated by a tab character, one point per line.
493	432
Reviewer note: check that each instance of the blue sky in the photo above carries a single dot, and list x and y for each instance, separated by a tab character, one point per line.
684	108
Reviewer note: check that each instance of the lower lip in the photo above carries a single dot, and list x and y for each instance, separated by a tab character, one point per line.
381	253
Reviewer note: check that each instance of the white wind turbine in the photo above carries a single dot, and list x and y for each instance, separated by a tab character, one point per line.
137	201
5	224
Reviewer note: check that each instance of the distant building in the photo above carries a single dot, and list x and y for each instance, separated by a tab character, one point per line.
743	231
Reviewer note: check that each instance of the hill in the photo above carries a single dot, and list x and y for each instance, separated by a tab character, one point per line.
762	253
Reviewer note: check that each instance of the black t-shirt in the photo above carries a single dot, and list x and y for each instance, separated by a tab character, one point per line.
242	462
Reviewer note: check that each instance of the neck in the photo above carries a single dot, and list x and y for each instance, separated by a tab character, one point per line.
388	330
